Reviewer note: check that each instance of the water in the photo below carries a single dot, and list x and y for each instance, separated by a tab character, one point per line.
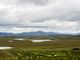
40	40
3	48
19	39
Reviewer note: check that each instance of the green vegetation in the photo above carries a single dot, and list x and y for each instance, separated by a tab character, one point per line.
60	42
60	48
43	54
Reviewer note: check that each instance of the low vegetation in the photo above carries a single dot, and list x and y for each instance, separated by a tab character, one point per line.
44	54
60	48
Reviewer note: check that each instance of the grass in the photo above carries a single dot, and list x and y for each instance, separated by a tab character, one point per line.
44	54
57	49
57	43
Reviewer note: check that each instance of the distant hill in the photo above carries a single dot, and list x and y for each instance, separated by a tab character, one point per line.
6	34
38	33
25	34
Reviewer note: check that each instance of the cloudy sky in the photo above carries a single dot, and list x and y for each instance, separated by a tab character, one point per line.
40	15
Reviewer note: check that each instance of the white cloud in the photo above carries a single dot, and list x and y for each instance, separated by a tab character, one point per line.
42	15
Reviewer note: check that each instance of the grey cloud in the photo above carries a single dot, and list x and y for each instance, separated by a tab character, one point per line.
58	10
35	13
35	2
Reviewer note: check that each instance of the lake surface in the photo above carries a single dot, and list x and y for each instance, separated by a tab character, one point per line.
19	39
3	48
40	40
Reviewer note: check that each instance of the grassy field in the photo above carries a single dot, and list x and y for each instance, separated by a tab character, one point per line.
40	54
57	49
27	43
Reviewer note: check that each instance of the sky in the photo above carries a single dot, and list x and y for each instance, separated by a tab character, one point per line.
40	15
